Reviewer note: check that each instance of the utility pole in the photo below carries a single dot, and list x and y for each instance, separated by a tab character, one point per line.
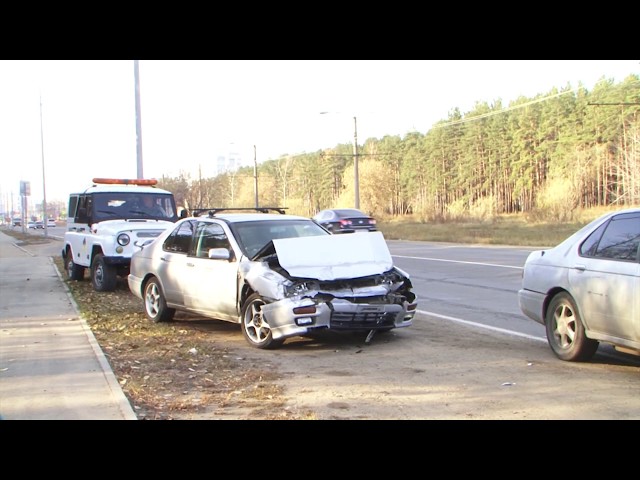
136	74
45	217
200	185
356	176
25	191
255	175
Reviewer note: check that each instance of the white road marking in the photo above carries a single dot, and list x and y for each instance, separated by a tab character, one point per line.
480	325
458	261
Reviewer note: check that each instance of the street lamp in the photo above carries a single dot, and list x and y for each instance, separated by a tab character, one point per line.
356	176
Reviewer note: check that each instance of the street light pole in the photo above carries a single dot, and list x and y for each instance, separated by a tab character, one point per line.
45	216
136	76
356	176
255	175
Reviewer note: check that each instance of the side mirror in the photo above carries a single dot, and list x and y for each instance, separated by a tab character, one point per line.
219	253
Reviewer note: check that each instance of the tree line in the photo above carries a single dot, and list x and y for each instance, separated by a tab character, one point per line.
562	150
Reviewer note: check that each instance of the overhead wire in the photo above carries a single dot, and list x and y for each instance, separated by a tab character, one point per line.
504	110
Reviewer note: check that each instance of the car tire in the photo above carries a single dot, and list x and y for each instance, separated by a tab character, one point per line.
255	328
74	271
565	331
155	305
103	276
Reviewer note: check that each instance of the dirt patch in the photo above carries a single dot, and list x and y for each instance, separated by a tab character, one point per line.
178	370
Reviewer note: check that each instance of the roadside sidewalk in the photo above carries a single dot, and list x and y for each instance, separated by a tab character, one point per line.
51	366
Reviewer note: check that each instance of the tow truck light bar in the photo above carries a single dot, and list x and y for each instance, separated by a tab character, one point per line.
126	181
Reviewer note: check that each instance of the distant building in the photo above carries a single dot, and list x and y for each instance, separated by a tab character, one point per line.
229	163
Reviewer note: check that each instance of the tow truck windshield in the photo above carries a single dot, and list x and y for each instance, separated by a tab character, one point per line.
112	206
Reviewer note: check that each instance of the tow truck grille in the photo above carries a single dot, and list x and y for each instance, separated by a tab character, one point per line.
147	234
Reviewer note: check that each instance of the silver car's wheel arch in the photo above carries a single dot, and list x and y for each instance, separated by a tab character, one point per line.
155	305
254	326
565	329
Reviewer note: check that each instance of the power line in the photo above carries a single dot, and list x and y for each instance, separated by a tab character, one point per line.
508	109
615	104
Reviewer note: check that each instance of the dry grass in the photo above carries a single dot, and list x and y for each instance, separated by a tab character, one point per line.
175	370
181	369
518	230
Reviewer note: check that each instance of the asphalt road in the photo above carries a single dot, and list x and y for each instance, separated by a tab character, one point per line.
474	285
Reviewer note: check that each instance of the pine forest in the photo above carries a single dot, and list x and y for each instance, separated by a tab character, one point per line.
564	150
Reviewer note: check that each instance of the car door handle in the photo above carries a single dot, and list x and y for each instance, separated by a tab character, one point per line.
579	266
164	259
189	264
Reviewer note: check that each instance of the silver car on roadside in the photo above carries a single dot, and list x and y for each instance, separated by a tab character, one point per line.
276	275
586	290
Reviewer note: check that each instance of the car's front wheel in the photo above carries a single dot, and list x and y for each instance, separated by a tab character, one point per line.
155	305
565	331
74	271
255	327
103	275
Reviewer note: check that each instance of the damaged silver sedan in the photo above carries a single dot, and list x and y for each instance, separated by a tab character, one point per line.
276	275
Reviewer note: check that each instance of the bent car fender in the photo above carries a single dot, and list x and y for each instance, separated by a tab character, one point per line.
263	280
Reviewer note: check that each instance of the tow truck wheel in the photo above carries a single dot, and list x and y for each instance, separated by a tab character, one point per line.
103	276
74	271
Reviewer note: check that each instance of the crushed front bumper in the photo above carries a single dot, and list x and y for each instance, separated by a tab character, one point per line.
289	317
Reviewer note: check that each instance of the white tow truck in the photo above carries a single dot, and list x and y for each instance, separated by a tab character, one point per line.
105	220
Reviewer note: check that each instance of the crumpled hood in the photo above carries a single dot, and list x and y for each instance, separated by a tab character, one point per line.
334	257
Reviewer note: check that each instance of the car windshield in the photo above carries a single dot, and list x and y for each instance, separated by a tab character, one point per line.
111	206
253	236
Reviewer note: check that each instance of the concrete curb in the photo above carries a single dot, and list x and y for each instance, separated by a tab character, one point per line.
114	386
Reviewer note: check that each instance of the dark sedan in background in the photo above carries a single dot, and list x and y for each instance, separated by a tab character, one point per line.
345	220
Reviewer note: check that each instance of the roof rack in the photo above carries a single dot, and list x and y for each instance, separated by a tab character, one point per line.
212	211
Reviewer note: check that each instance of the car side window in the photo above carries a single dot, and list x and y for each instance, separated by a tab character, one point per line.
589	246
621	238
619	241
179	241
73	204
209	235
